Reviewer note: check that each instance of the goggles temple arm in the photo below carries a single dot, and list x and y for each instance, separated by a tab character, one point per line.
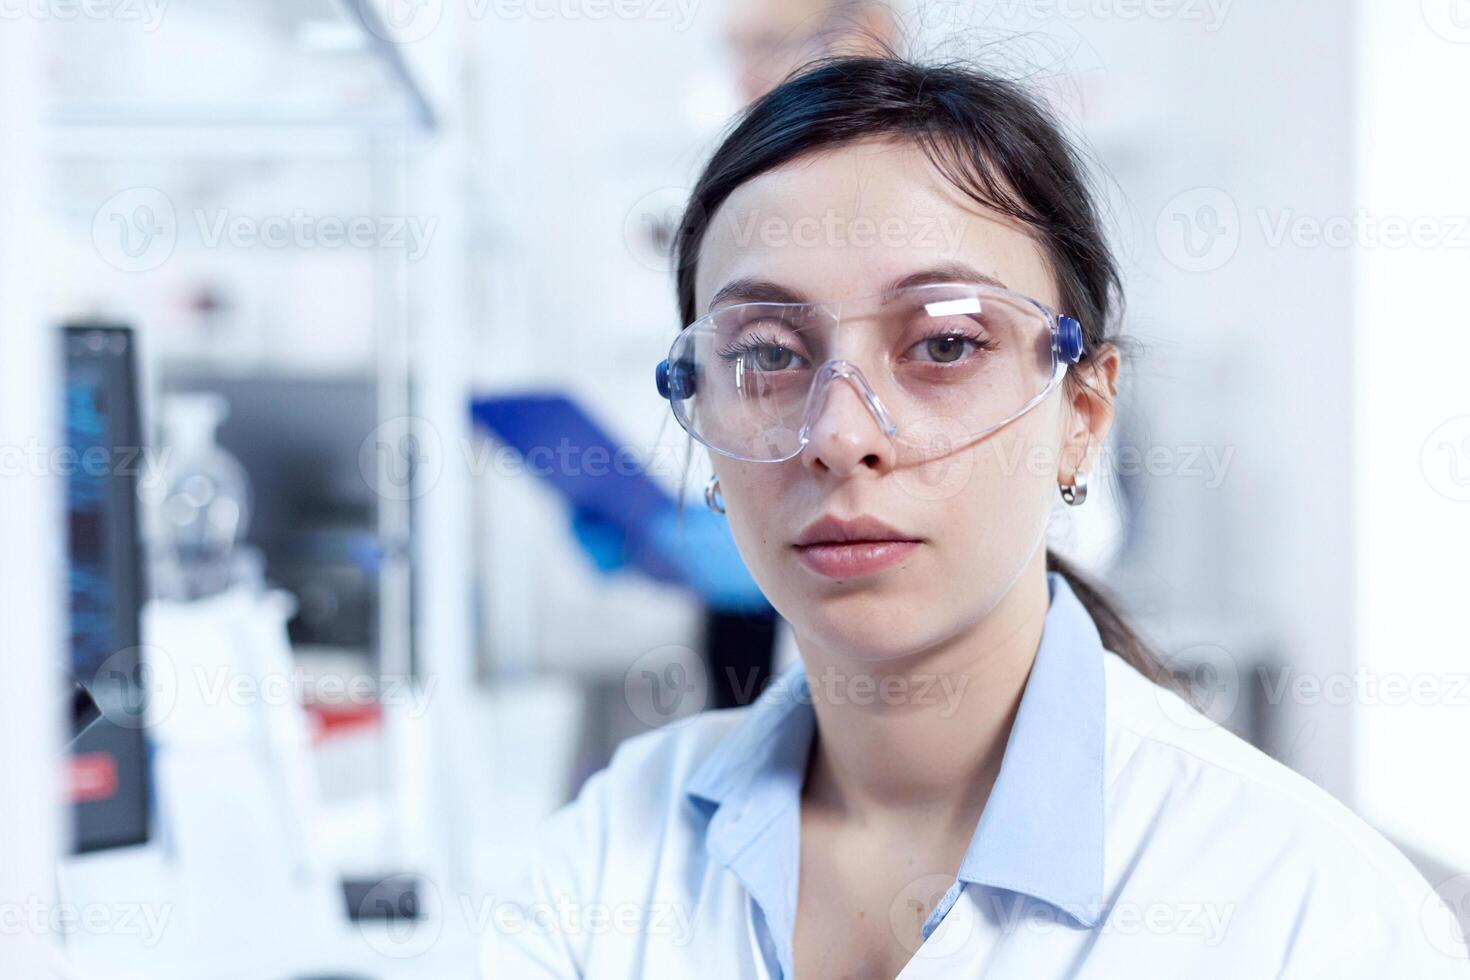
1070	347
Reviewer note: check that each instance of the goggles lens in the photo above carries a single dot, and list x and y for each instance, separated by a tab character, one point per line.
937	365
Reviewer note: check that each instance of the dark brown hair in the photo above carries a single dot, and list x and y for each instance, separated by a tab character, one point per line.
989	137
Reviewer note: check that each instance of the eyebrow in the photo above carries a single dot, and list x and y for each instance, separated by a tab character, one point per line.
753	290
750	290
944	272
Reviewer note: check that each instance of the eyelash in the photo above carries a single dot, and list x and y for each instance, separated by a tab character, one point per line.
755	342
749	345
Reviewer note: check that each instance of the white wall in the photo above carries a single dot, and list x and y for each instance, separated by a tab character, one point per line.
31	598
1413	514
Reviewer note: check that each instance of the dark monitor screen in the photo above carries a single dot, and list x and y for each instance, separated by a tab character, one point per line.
107	770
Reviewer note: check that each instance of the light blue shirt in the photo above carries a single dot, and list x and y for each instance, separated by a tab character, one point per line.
1126	835
1041	832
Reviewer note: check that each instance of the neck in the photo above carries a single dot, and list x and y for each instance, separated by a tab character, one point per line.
926	737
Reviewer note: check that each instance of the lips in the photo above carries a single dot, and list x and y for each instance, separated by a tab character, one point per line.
862	545
832	530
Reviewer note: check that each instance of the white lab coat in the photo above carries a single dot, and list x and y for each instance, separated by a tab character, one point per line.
1211	860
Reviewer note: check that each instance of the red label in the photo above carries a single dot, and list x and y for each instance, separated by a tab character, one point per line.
91	777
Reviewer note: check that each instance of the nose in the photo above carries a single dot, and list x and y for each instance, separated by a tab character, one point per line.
847	430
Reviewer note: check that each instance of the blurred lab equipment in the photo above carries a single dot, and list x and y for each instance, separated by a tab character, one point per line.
255	114
78	708
192	772
314	519
206	503
106	769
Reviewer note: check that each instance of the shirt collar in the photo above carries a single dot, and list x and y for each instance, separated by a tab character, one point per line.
1041	832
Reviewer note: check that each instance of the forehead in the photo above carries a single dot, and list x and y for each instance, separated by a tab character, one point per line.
842	224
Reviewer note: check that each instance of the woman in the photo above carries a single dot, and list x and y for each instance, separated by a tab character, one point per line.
898	294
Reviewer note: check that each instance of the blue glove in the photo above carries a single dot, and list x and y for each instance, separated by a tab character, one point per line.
601	540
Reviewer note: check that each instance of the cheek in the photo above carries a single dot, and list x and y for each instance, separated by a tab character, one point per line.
763	518
1009	497
751	492
997	515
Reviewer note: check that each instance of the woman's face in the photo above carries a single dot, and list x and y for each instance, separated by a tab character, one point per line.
841	226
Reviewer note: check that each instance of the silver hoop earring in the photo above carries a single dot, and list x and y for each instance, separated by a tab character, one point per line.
713	499
1075	493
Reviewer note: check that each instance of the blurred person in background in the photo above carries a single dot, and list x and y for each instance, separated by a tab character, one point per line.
771	39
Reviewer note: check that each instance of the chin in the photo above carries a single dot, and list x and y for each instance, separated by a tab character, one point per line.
866	627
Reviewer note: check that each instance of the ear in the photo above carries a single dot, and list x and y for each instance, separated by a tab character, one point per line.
1092	407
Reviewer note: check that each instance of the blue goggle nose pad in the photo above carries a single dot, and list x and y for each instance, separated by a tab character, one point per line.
675	381
1069	339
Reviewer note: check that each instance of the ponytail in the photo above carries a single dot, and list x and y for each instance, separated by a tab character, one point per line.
1117	635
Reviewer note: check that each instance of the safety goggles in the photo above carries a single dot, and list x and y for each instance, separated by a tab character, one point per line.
941	365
